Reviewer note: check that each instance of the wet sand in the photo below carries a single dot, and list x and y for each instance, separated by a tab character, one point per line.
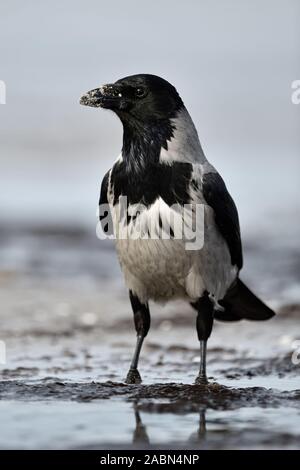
69	336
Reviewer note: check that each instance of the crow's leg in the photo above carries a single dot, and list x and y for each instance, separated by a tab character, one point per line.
141	316
205	309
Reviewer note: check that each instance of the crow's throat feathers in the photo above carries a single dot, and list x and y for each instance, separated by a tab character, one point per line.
142	143
174	139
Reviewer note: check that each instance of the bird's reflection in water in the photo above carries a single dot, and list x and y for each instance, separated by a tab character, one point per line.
140	435
200	434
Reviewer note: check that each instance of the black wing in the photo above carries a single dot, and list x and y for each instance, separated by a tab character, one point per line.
105	216
216	195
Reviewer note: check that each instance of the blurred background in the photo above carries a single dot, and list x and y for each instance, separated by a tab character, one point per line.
233	63
62	294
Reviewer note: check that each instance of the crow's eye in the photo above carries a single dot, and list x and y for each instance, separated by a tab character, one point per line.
140	92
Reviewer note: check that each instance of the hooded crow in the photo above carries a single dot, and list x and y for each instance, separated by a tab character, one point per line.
162	170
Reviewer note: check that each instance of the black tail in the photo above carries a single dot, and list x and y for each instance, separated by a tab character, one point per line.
240	302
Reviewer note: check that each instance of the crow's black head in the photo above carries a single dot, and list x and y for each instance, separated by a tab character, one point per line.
145	98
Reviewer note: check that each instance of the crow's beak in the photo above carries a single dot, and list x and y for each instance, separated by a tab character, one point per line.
107	96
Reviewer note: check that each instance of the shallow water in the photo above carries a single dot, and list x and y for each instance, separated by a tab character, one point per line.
116	423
